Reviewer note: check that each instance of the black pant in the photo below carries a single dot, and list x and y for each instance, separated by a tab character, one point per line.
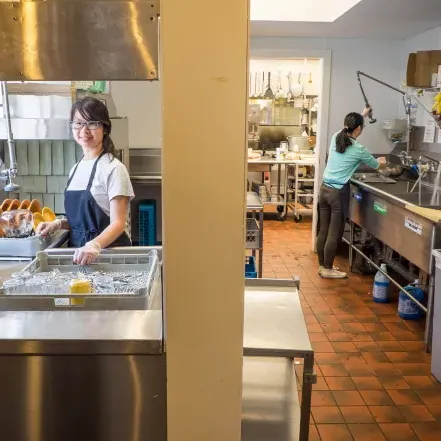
334	208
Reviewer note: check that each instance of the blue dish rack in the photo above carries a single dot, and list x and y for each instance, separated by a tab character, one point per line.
250	267
147	223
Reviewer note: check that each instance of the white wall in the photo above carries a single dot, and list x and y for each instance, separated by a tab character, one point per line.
140	102
426	41
429	40
379	58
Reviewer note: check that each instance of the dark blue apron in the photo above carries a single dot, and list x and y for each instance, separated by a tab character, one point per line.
86	218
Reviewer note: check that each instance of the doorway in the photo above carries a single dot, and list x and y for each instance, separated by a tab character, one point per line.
288	68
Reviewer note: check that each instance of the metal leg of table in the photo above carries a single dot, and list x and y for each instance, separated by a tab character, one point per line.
309	378
285	198
429	315
261	244
351	240
279	171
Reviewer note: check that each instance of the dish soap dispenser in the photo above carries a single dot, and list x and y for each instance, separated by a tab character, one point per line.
407	308
380	292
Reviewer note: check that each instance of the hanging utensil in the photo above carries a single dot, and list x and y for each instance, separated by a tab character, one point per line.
298	88
289	95
249	86
269	94
256	95
262	93
310	78
279	94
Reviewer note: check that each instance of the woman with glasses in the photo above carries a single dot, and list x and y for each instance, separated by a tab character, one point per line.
98	192
346	153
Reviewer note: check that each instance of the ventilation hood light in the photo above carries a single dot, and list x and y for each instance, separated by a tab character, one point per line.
300	10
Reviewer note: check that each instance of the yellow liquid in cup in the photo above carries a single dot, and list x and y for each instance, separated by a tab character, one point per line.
78	286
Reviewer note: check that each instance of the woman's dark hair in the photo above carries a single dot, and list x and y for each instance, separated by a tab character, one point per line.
353	121
92	109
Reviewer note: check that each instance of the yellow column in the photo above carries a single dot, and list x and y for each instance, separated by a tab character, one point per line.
204	83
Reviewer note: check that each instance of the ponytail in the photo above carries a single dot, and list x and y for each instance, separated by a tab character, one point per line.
352	122
343	141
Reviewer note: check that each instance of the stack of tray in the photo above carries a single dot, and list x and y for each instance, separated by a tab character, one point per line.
28	247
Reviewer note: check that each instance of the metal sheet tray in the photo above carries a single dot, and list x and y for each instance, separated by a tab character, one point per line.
29	246
149	297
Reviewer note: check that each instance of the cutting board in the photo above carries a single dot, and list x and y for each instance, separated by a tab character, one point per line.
429	213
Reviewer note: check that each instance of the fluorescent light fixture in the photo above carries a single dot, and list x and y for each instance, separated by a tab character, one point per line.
300	10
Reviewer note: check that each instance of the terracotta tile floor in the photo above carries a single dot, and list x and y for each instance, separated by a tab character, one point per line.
374	375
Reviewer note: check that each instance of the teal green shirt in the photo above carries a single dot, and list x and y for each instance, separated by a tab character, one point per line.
341	166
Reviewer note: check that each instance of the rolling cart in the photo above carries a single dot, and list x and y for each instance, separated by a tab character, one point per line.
300	196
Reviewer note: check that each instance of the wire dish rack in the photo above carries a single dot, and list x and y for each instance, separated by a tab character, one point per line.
139	276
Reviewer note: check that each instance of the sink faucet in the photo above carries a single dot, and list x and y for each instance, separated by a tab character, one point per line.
431	162
405	158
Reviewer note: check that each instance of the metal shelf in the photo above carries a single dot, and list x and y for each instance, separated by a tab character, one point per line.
254	238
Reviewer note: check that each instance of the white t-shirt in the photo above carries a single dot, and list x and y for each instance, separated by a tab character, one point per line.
111	179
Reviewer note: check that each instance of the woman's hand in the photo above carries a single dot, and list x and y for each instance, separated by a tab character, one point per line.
87	254
47	228
382	162
366	112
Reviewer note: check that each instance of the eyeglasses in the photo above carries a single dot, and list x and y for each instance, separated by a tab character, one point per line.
91	125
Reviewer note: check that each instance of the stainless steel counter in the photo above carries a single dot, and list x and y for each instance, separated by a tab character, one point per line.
303	159
274	334
81	332
81	375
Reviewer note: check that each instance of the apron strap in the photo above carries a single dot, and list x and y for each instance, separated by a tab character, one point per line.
73	173
92	174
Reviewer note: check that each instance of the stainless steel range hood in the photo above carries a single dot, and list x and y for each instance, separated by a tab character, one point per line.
56	40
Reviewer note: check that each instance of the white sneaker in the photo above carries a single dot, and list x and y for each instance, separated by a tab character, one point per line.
321	268
332	274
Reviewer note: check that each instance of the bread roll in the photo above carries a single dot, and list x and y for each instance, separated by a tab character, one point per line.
5	204
35	206
14	205
25	204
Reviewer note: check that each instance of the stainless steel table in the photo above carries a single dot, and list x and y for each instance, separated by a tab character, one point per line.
274	327
264	164
255	207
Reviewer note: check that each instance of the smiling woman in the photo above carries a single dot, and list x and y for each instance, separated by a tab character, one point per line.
98	191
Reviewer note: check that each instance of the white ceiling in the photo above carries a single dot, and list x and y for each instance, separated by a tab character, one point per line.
398	19
299	10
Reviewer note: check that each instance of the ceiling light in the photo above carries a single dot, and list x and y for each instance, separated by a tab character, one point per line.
300	10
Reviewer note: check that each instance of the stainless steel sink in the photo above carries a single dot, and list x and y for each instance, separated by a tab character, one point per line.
373	178
424	201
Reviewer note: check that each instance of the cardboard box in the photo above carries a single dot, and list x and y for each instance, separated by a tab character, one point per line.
411	70
435	61
423	74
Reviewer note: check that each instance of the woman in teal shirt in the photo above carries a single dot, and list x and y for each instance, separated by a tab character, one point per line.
345	155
